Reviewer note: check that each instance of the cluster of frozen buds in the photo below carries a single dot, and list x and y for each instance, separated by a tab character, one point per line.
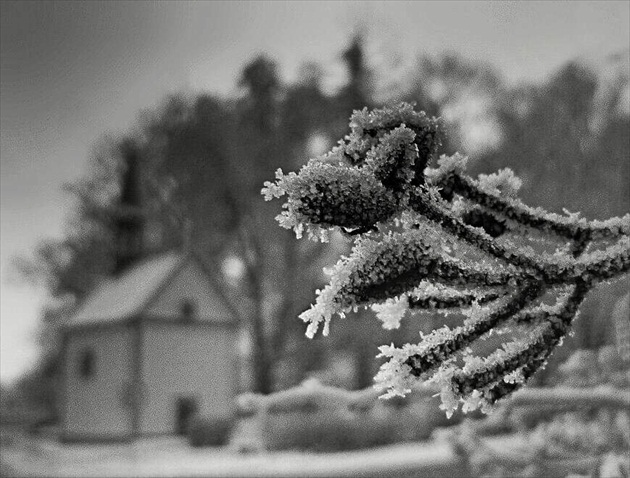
427	237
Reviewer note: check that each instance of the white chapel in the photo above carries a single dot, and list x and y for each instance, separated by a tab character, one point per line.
150	348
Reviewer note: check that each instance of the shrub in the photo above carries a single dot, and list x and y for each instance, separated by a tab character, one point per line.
372	429
210	431
327	430
317	431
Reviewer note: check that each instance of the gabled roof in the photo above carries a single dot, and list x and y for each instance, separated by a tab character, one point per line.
127	295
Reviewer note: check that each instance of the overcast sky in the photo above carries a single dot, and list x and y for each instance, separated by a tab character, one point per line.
71	72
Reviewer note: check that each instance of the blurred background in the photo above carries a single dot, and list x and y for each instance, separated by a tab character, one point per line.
207	99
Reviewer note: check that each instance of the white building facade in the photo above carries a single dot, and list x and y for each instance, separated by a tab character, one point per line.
147	351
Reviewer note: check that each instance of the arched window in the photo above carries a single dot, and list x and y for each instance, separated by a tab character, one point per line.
87	364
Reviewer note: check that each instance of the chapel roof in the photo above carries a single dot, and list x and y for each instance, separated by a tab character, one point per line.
130	293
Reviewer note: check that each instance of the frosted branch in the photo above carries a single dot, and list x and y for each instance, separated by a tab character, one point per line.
432	238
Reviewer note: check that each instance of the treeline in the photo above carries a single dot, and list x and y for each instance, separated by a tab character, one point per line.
204	159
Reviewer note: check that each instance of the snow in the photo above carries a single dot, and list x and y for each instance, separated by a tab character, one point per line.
121	298
171	457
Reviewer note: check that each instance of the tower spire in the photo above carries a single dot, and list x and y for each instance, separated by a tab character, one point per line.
129	221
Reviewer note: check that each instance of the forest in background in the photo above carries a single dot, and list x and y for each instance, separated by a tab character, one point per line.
204	159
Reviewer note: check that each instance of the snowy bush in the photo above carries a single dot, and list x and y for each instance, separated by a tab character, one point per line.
428	237
316	417
326	431
210	431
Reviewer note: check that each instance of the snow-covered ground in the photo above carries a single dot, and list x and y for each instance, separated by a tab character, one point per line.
172	457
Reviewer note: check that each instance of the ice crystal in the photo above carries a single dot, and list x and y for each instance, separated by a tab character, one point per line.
503	183
391	311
